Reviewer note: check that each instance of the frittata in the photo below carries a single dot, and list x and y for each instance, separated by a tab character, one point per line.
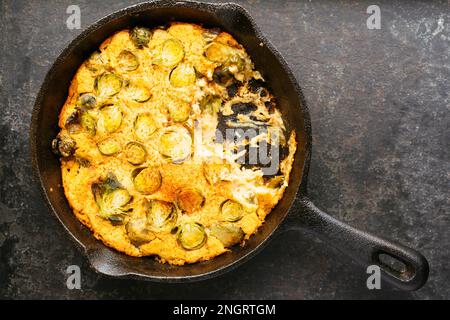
162	144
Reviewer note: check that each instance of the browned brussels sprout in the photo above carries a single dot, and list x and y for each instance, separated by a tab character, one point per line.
95	62
210	35
63	145
110	118
135	153
179	111
107	85
73	121
231	211
111	198
108	146
87	100
191	236
146	180
127	61
144	126
190	200
218	52
172	52
81	120
176	144
88	123
227	233
140	36
138	231
161	215
182	76
138	93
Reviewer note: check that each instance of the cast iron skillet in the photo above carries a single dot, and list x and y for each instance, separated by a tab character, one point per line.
295	205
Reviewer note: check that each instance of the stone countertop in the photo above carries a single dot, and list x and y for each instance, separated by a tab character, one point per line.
379	103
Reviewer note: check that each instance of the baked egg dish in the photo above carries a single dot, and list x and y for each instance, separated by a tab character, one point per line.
171	144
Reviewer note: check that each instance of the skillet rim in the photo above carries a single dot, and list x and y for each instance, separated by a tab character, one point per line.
212	8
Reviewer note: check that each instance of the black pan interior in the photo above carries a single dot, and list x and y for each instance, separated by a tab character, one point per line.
228	17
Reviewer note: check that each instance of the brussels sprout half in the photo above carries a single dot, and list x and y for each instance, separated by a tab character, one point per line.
191	236
210	34
140	36
172	52
146	180
176	144
182	76
231	211
218	52
87	100
81	119
138	231
161	215
95	62
138	93
190	200
113	204
127	61
111	118
73	121
63	145
108	146
227	233
135	153
223	54
179	111
107	85
144	126
111	198
88	123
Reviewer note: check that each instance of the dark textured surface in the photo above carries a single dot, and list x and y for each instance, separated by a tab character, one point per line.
380	113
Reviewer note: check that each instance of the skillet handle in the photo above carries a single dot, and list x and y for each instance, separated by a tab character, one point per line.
401	266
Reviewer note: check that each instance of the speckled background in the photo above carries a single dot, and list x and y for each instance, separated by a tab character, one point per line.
379	102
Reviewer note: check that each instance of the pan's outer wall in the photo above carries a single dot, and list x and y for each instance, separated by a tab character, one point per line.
231	18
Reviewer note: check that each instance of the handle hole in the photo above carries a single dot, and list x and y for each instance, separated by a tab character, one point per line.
391	262
394	265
